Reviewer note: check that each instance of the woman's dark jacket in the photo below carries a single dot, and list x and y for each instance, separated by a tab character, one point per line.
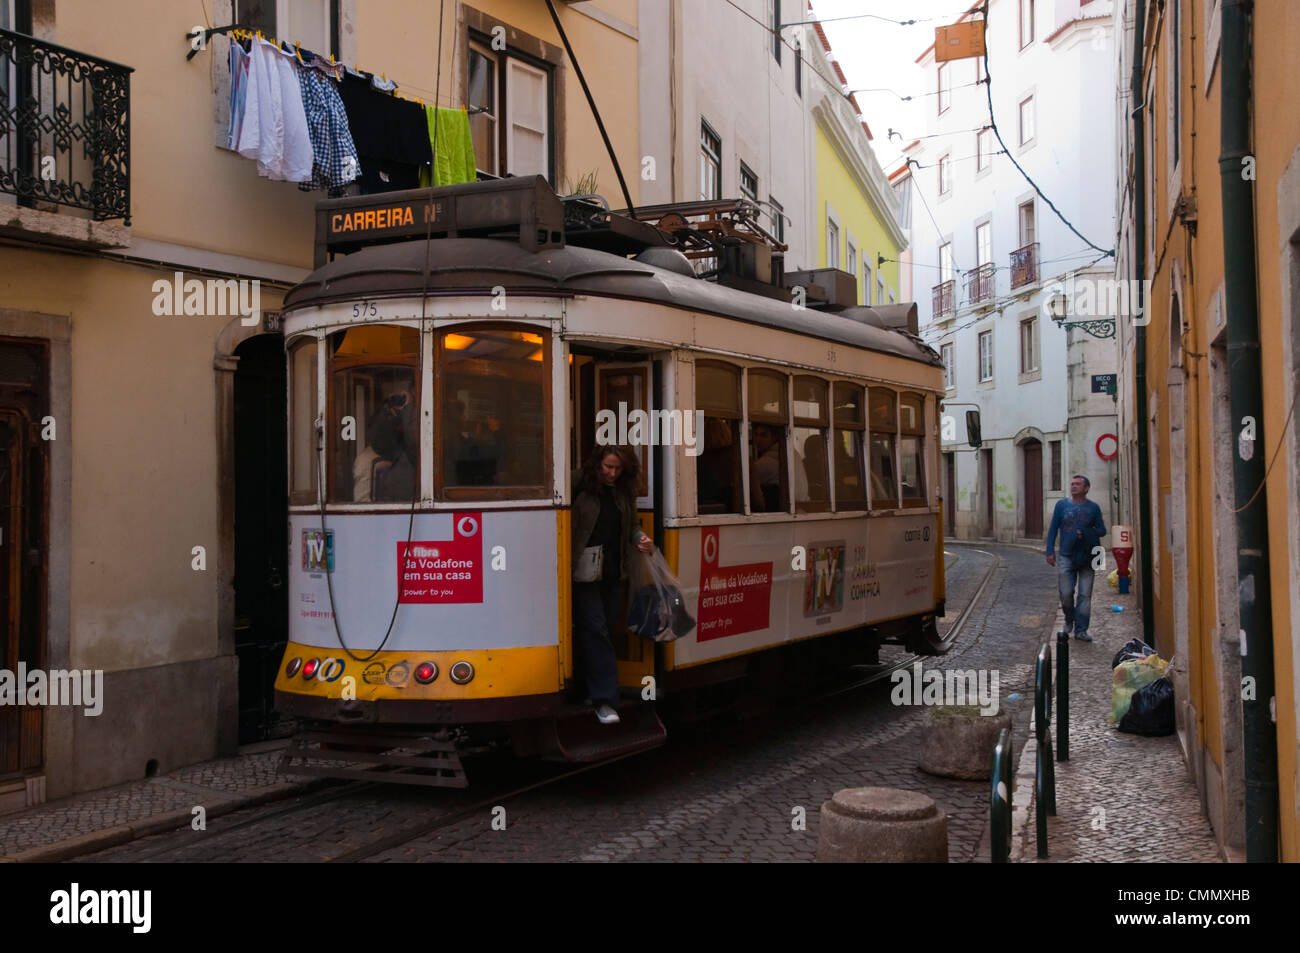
586	510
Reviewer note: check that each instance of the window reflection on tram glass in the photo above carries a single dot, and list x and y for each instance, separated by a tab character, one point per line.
302	421
884	440
493	386
373	381
850	428
911	445
812	484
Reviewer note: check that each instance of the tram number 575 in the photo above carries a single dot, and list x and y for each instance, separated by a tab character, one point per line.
364	309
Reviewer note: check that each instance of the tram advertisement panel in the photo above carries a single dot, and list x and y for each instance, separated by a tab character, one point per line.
762	584
468	580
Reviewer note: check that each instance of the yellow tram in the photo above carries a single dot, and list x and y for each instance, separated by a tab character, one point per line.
430	596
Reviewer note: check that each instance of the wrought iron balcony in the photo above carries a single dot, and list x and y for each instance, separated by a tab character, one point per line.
1024	266
65	129
979	283
945	300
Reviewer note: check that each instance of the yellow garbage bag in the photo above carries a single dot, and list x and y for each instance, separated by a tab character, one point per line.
1128	678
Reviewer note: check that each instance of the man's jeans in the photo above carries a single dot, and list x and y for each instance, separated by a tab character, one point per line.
1077	615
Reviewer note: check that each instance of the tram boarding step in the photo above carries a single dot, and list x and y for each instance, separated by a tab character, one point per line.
575	734
390	756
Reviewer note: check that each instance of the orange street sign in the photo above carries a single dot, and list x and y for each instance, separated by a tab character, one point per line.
959	41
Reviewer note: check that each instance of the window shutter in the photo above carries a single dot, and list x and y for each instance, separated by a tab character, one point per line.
526	120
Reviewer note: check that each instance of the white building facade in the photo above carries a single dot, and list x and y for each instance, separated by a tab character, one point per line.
989	253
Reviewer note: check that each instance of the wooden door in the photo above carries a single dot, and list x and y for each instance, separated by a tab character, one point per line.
1033	499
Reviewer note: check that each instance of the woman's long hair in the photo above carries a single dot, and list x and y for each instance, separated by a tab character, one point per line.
591	481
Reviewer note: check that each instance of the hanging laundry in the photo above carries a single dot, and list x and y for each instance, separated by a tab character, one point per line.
336	161
273	127
391	135
383	85
296	164
452	145
239	87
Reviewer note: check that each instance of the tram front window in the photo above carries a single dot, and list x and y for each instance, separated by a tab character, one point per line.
494	417
375	458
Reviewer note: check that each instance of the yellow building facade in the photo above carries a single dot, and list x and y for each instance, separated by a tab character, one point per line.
160	421
1195	596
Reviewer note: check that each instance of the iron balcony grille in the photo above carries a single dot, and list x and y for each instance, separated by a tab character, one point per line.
979	283
65	131
945	303
1024	266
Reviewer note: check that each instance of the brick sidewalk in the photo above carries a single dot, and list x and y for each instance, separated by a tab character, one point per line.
99	819
1120	797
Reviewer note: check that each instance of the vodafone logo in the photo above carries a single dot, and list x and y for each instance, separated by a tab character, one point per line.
711	548
467	526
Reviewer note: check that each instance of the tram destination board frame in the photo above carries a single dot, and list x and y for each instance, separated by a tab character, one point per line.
525	206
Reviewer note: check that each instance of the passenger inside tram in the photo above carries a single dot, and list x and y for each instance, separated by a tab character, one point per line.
765	469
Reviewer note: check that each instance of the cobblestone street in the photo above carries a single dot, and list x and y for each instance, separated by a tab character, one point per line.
724	790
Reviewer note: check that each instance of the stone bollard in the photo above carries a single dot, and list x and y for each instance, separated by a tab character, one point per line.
882	825
957	739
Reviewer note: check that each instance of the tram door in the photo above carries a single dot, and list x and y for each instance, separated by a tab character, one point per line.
607	393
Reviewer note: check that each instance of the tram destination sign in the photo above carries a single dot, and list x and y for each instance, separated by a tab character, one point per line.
524	207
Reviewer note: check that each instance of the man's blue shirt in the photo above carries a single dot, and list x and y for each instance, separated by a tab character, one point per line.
1069	519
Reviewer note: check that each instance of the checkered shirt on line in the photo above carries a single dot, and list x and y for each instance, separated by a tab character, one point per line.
335	155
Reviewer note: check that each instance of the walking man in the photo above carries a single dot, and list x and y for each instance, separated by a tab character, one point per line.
1079	522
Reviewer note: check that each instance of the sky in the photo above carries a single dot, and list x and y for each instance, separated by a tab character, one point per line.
876	54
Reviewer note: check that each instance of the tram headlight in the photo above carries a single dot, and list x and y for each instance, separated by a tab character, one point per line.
291	669
426	672
309	668
461	672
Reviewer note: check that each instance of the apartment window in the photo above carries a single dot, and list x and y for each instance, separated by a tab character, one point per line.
1029	345
778	219
880	288
832	243
798	68
892	299
1026	23
1027	229
812	416
986	355
310	23
868	286
851	258
945	88
911	447
983	149
945	262
768	421
513	133
774	19
884	444
717	468
1027	120
1055	475
949	378
984	243
945	174
710	163
748	183
850	430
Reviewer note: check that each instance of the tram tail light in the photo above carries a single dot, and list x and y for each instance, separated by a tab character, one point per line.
309	668
291	669
461	672
426	672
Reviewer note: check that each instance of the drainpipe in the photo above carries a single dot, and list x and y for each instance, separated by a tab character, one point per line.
1248	466
1140	331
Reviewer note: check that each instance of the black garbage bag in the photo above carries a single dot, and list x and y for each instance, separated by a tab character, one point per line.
1133	648
658	610
1152	710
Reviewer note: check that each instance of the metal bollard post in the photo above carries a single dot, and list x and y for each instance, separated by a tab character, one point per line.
1000	800
1062	696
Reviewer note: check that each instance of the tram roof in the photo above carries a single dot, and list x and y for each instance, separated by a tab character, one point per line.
474	266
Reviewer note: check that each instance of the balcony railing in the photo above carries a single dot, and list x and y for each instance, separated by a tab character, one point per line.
945	300
979	283
65	130
1024	266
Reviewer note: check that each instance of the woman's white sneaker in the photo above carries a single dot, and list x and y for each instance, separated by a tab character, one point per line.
607	715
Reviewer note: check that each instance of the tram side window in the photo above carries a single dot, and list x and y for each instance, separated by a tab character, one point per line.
768	421
884	446
717	468
812	482
303	465
911	447
850	429
494	414
372	381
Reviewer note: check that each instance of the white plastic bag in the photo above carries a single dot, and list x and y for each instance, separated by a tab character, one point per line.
657	610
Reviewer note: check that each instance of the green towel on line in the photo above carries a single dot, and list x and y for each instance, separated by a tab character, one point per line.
453	159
